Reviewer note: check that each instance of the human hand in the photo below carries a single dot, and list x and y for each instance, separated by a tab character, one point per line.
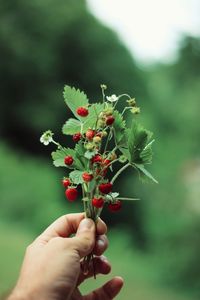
52	265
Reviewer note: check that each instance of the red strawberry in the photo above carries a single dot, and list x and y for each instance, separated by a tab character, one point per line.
66	182
105	188
98	202
69	160
96	159
71	194
76	137
82	111
90	134
87	177
110	120
115	206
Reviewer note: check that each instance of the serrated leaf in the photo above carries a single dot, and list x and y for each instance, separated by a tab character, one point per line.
89	154
142	169
76	176
118	126
147	153
59	156
75	98
138	139
91	120
71	127
80	151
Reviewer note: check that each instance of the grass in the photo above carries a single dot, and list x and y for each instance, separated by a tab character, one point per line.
139	272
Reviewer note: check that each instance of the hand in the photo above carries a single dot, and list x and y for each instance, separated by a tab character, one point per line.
52	265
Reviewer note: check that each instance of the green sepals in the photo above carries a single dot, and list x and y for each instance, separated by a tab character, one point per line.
137	141
71	127
118	126
122	159
76	177
59	156
75	98
144	174
90	154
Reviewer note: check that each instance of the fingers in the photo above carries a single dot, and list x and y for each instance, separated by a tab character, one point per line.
101	265
108	291
67	225
101	245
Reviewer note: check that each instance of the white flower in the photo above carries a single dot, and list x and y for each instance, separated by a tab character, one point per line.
46	138
112	98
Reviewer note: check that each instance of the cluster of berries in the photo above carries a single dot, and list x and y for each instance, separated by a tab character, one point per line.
104	188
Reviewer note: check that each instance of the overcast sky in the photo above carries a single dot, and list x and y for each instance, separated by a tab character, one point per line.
150	28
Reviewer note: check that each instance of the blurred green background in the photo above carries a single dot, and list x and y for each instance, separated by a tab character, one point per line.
45	44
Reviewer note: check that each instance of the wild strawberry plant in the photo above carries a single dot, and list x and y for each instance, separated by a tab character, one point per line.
101	140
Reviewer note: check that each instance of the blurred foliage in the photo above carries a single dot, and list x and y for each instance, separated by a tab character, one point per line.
44	45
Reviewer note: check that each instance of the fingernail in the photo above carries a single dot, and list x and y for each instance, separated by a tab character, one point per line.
86	224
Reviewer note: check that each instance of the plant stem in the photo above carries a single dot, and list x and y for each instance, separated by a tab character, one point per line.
107	141
119	172
126	198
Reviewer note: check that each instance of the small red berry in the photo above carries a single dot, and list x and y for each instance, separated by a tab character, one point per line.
98	202
115	206
71	194
90	134
69	160
76	137
66	182
82	111
96	159
87	177
105	188
110	120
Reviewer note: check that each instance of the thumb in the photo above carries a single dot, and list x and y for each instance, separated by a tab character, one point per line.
85	237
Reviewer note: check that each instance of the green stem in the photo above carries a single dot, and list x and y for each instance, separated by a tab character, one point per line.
107	141
126	198
125	109
119	172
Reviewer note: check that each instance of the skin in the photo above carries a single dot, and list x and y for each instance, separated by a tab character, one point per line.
52	265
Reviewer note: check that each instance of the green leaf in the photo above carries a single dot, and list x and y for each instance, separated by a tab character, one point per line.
91	186
125	152
147	153
119	126
76	176
91	119
142	170
59	156
74	98
138	139
80	152
89	154
71	127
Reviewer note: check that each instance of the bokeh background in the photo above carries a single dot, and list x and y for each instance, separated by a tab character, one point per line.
44	44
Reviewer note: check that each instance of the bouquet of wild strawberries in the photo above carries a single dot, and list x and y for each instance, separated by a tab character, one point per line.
101	140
